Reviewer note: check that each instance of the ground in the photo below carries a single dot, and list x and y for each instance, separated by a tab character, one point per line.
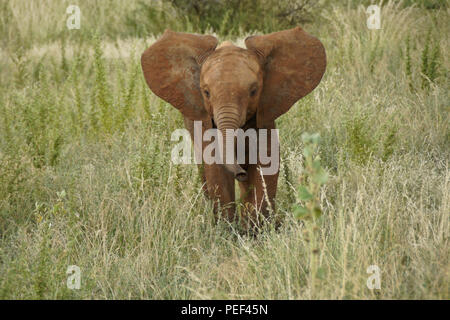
86	177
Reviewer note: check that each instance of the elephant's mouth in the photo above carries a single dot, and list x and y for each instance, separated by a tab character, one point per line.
240	175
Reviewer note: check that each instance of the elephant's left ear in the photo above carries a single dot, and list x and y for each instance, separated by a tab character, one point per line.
294	63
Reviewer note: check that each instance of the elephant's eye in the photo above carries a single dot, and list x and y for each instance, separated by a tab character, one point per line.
206	93
253	92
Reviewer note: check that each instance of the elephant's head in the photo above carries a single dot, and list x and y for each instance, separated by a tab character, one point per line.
230	85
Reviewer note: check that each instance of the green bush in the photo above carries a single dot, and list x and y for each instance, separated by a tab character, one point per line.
225	17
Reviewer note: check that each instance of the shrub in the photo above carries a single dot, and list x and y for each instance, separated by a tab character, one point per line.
225	17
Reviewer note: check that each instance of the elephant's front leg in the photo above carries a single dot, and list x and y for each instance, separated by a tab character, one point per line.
220	183
257	195
258	192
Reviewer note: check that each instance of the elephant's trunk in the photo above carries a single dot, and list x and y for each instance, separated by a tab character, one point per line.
226	121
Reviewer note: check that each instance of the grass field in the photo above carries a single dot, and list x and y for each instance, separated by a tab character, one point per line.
86	177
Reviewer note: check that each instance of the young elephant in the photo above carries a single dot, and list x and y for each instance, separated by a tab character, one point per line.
229	87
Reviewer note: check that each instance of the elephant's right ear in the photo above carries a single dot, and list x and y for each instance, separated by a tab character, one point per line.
294	63
171	68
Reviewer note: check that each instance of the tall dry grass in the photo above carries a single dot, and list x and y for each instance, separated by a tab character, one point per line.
86	177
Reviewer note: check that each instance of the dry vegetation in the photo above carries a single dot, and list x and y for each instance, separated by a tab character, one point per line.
86	177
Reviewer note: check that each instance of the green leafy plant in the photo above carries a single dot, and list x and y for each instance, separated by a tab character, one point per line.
359	142
429	62
102	93
314	177
408	63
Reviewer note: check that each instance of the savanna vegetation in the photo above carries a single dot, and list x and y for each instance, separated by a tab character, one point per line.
86	176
